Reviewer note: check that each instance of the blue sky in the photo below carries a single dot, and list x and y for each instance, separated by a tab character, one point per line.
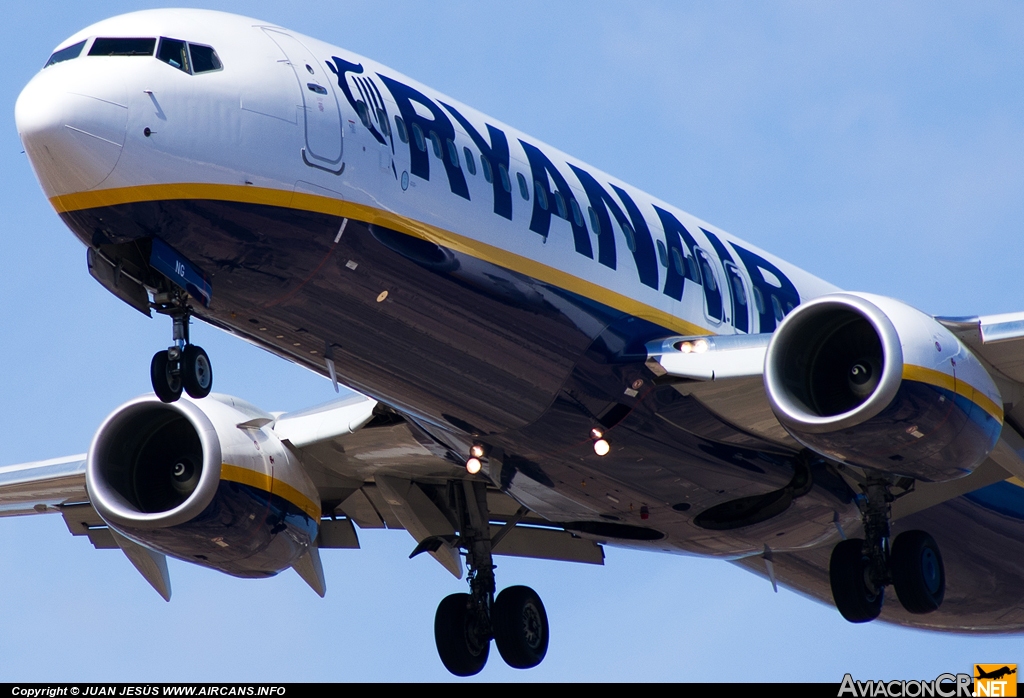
879	147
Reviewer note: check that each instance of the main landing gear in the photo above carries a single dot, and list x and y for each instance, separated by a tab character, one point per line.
860	569
465	624
182	366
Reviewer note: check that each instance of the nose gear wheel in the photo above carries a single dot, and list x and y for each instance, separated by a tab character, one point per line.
183	366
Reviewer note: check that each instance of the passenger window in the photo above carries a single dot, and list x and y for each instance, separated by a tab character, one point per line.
382	119
691	268
576	215
677	262
485	165
417	134
470	161
708	274
403	134
66	54
205	59
523	189
363	115
758	300
738	292
662	254
595	222
122	47
505	182
627	230
453	153
777	309
538	191
560	205
435	141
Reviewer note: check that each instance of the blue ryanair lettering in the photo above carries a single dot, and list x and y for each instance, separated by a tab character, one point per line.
786	295
440	124
602	203
341	68
739	303
540	222
678	239
496	152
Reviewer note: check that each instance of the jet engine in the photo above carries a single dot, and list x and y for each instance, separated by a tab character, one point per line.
206	481
870	381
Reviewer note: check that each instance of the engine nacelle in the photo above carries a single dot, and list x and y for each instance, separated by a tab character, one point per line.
205	481
870	381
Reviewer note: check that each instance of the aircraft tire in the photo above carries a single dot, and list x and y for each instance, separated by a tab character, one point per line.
520	627
462	651
846	570
917	572
196	372
166	385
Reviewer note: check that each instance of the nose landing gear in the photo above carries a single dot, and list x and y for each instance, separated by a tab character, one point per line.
860	569
183	366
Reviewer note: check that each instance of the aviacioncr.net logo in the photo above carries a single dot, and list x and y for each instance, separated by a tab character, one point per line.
995	680
942	686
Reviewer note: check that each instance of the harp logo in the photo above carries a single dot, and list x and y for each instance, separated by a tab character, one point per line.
995	680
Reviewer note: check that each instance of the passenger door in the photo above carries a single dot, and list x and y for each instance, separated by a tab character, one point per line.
323	132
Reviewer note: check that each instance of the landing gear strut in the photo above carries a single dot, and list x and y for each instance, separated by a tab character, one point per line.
183	366
860	569
465	624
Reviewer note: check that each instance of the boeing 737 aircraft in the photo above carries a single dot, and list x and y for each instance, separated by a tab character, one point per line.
548	360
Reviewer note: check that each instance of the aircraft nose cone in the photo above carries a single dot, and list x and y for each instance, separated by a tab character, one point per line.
72	123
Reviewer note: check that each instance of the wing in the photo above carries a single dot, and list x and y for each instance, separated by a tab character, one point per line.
977	519
372	468
378	469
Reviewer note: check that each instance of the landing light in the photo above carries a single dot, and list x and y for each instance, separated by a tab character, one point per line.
596	434
601	447
696	346
473	466
477	451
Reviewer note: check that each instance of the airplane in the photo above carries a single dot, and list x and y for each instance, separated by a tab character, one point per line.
996	673
504	288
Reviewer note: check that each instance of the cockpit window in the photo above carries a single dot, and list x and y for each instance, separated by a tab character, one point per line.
66	54
174	53
122	47
204	59
189	58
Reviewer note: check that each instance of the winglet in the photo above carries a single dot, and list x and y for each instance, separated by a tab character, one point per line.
311	570
151	564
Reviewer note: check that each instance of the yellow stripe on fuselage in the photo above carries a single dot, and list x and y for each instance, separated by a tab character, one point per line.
346	209
960	387
262	481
